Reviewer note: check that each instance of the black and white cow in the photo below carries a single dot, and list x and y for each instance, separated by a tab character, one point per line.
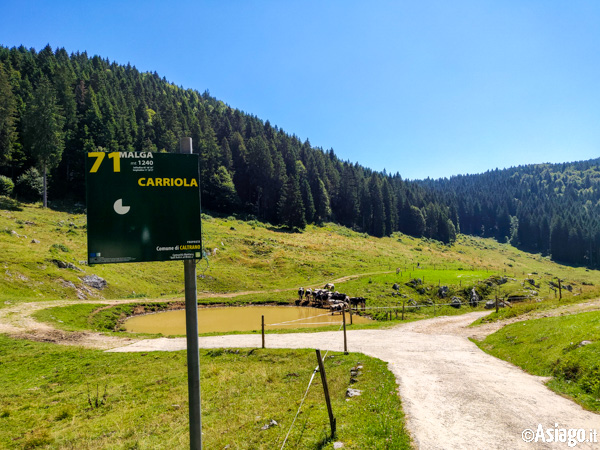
358	301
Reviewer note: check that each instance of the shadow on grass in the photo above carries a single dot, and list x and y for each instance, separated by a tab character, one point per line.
10	204
67	206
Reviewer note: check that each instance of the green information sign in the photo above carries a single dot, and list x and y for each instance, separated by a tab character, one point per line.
142	206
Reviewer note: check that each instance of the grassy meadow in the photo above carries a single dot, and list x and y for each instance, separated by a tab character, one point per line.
66	397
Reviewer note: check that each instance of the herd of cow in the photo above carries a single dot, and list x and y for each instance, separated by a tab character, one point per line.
328	298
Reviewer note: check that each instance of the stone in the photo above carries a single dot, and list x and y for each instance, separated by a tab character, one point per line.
272	423
350	392
68	284
443	291
95	281
35	241
584	343
395	287
474	298
455	302
491	304
65	265
338	444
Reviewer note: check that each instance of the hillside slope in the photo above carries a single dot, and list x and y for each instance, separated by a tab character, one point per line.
44	254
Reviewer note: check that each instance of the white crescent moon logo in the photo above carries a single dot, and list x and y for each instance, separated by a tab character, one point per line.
119	208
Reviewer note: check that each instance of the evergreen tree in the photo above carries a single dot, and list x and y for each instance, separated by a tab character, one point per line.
43	131
291	206
8	113
322	204
221	195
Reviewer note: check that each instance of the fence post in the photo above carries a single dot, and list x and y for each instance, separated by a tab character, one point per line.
403	303
326	390
559	289
344	320
263	330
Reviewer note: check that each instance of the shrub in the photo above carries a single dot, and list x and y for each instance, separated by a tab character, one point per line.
6	185
60	247
30	185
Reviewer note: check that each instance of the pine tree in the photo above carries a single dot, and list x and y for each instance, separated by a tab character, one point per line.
291	206
43	131
8	113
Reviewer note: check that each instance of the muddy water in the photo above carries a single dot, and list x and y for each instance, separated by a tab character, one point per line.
243	318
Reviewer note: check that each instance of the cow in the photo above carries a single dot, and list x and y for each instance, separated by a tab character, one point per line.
337	305
300	294
329	286
308	293
338	296
358	301
321	296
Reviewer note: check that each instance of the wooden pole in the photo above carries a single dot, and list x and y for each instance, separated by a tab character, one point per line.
403	303
344	320
559	289
326	391
191	332
496	303
263	330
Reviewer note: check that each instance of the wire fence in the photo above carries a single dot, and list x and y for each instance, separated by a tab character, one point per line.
312	377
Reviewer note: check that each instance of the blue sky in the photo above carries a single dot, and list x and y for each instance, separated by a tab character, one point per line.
423	88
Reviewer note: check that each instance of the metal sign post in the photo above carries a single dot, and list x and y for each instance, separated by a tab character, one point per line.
191	332
145	206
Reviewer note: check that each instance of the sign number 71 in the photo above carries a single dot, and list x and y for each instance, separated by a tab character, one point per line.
115	156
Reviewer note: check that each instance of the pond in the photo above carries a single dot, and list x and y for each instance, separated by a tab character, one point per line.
238	318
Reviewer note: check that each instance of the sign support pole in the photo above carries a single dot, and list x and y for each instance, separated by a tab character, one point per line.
191	332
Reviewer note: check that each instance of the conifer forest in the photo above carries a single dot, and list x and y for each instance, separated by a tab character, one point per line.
55	107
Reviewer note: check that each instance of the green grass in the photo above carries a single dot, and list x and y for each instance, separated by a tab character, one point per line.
552	347
49	396
70	318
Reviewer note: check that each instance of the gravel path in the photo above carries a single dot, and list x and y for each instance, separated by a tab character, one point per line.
454	395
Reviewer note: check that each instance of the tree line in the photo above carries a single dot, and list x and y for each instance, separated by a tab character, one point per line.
247	165
55	107
551	209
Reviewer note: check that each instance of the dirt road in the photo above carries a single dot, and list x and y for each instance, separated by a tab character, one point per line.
455	396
